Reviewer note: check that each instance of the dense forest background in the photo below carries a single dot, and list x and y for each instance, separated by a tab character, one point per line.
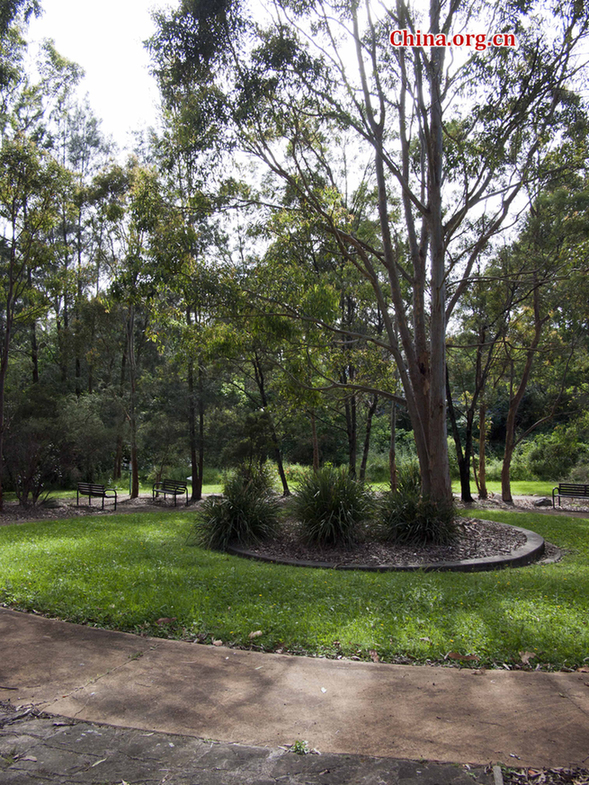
183	310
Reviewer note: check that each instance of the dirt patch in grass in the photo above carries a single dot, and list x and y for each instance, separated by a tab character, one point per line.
67	508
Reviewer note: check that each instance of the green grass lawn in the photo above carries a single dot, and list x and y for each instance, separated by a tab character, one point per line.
127	571
518	487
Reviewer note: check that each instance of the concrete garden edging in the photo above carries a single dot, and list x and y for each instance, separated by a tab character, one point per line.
525	554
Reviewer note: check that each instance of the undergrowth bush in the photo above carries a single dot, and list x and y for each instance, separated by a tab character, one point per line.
247	512
331	505
378	468
409	518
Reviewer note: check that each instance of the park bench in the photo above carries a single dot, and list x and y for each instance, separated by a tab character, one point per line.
570	491
91	489
170	487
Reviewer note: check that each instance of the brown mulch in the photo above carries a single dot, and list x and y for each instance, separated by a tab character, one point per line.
475	539
558	776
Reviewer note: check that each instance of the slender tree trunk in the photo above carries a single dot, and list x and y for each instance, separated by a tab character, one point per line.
440	488
393	448
132	402
515	401
422	361
118	464
352	433
347	375
463	457
8	324
201	432
34	352
315	442
77	320
366	448
196	470
65	337
276	449
196	477
483	494
78	372
33	334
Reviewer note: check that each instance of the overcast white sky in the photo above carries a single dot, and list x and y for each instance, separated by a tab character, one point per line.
106	39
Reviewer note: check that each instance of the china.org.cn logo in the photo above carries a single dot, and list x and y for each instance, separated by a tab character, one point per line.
480	41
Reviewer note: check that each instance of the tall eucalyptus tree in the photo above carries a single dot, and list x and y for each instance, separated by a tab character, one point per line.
449	137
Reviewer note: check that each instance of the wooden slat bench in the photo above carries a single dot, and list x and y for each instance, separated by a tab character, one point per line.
91	489
170	487
569	490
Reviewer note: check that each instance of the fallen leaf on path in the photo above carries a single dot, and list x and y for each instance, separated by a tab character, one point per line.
526	656
583	669
454	655
217	643
255	634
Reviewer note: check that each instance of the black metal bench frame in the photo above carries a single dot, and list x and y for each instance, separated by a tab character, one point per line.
91	489
173	487
569	490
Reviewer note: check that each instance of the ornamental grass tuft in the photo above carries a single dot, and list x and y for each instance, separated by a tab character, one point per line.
247	512
410	518
331	505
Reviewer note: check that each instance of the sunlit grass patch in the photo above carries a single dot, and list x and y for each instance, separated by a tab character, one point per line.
131	571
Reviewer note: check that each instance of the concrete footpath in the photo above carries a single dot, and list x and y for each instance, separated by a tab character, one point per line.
362	711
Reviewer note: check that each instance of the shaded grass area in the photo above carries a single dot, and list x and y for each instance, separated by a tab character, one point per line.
122	490
518	488
127	572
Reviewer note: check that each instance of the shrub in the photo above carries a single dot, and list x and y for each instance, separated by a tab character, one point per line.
409	518
580	473
295	473
377	468
330	506
247	512
553	456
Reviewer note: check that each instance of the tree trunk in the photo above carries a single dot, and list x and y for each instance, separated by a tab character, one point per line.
132	402
34	352
196	472
393	447
315	442
483	494
366	448
276	449
440	488
118	464
463	456
201	433
352	433
194	463
422	363
8	323
34	348
515	401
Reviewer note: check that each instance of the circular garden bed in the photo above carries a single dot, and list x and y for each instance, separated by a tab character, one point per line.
479	545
